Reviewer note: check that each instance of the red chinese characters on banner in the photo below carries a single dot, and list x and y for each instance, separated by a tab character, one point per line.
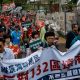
77	59
67	64
54	65
42	68
23	76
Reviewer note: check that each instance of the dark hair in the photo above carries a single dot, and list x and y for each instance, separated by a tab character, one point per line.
7	36
13	23
2	39
73	25
34	33
16	26
49	34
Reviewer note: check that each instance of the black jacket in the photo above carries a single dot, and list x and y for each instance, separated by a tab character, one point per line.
69	37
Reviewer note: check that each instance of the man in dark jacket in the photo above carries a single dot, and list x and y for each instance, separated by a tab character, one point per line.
71	35
49	37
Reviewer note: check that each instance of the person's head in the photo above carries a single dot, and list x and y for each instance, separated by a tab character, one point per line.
2	43
7	39
75	27
50	37
16	27
35	35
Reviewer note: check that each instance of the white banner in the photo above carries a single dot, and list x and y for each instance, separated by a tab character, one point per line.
48	64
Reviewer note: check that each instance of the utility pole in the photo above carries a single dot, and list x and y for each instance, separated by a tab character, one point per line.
65	18
34	5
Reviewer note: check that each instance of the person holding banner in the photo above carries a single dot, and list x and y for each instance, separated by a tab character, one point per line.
8	44
71	35
76	38
5	53
49	37
73	41
35	43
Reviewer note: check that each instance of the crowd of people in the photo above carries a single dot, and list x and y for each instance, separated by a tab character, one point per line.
21	37
18	39
24	35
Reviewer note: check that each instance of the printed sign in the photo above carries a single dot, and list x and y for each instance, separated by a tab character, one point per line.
48	64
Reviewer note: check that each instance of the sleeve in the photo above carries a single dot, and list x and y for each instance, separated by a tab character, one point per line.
74	40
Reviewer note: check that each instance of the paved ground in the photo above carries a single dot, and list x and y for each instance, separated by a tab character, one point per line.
62	42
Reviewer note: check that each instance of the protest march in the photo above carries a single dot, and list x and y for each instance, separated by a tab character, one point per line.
35	42
54	66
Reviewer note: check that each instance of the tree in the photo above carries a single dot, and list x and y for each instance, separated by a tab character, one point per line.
1	1
74	1
71	4
22	3
6	1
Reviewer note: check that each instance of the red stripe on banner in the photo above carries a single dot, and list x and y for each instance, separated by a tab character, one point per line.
23	76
